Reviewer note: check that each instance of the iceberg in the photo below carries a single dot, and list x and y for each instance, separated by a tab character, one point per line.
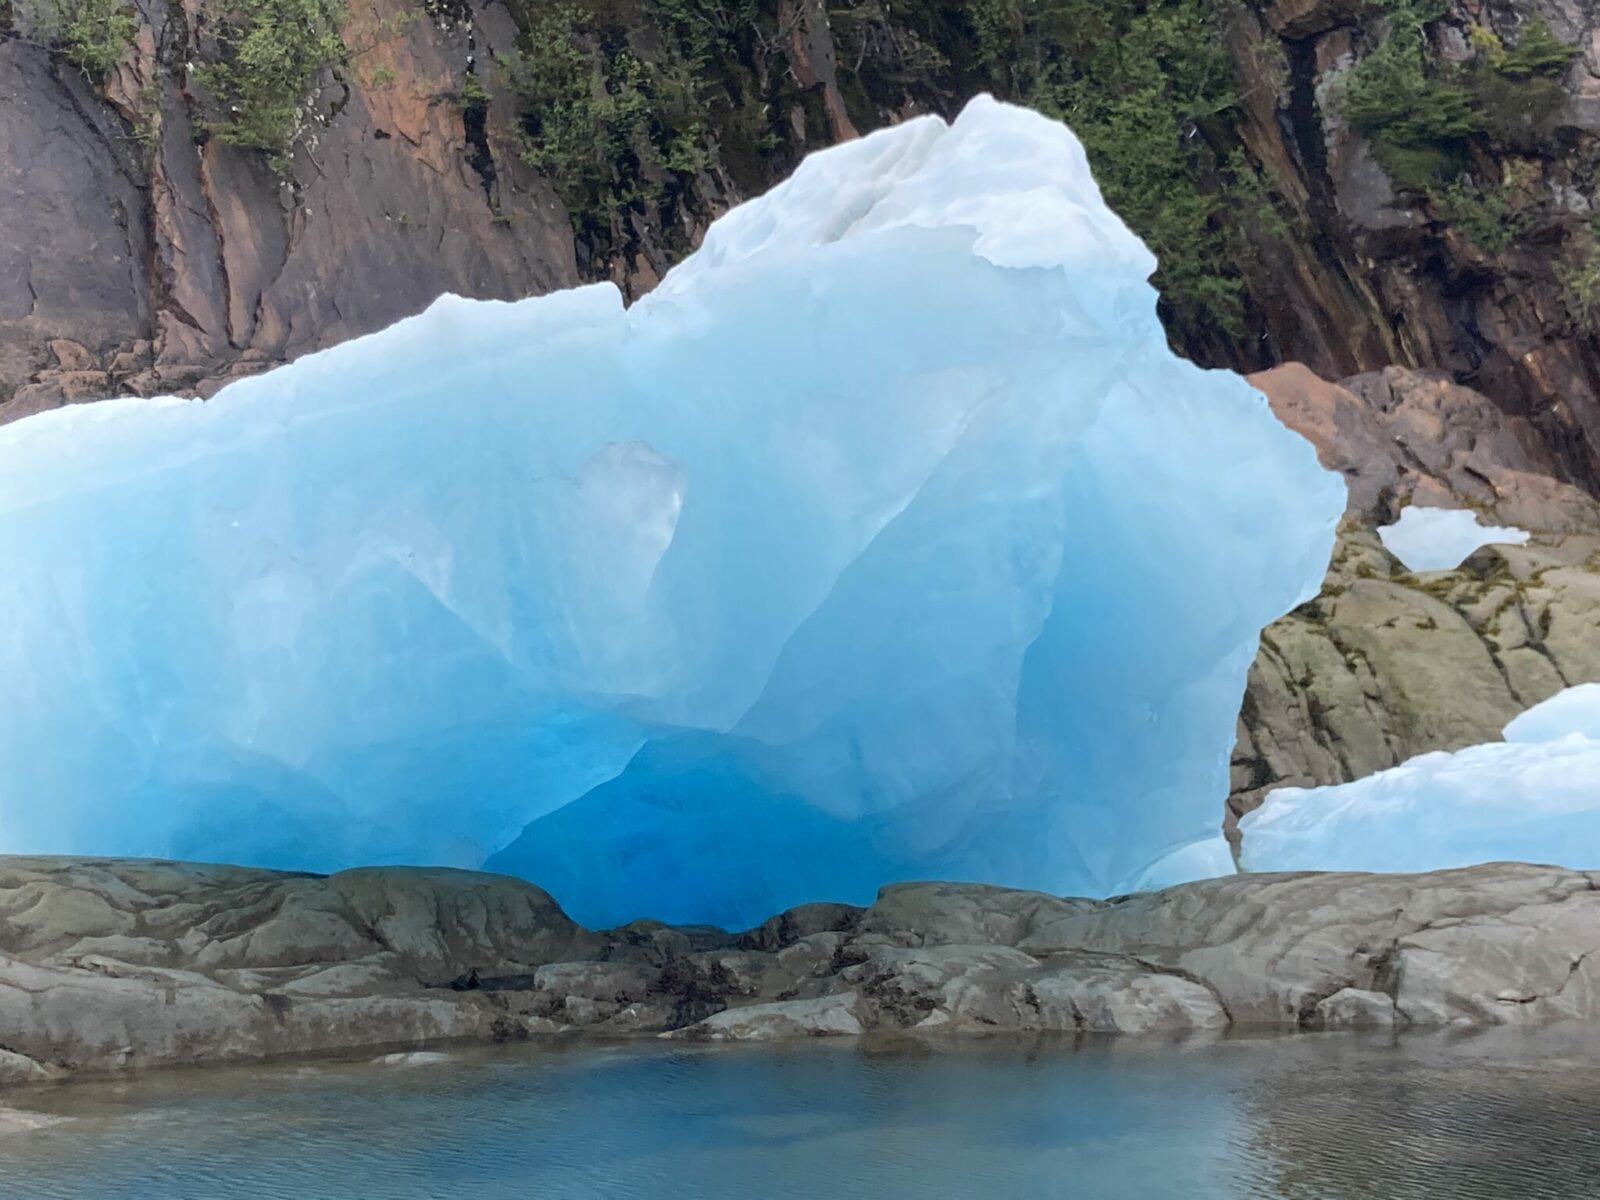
1533	798
1440	539
885	539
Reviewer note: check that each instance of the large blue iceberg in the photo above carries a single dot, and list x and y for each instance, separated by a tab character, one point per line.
886	539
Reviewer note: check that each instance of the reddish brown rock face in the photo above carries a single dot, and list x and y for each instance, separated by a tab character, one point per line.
1378	276
1403	437
177	267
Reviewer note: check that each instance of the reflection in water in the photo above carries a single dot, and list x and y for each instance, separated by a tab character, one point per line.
1335	1117
1501	1114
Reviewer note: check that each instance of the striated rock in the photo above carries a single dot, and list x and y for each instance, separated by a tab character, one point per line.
1372	274
917	914
1385	665
119	964
1123	999
19	1068
142	257
799	924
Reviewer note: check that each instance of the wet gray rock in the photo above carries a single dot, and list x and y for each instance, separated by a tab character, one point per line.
825	1016
121	964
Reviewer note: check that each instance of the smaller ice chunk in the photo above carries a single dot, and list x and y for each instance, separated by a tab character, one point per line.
1439	539
1533	798
1576	710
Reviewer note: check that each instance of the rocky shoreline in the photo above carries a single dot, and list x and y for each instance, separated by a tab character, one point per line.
119	964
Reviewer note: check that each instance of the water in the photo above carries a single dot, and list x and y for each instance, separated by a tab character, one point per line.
1492	1116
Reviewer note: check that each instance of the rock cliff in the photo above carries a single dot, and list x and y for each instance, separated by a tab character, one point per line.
142	255
1346	183
1384	664
120	964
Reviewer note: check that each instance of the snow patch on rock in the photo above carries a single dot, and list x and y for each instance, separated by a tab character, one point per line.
1439	539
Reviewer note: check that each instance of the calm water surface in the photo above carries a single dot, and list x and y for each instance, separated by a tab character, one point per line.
1494	1116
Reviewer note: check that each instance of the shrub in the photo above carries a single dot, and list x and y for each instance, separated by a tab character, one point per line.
1146	85
1416	123
472	94
92	34
1538	54
270	54
624	105
1580	279
621	116
1420	115
1517	91
97	33
1486	216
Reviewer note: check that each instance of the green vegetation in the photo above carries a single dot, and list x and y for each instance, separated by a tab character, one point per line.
1538	54
1487	216
1147	85
147	116
91	34
1517	91
270	54
589	115
1152	123
629	103
621	113
1420	114
1417	121
1580	278
645	114
471	95
97	33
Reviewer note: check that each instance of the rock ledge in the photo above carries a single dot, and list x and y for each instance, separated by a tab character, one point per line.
109	964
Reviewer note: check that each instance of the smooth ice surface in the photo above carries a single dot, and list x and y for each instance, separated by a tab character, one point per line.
886	539
1206	859
1439	539
1576	710
1533	798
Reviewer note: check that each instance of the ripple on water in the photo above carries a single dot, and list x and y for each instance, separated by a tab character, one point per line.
1307	1118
